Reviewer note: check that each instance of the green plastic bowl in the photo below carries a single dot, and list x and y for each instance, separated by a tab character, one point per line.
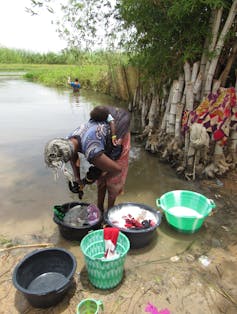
102	273
174	202
90	306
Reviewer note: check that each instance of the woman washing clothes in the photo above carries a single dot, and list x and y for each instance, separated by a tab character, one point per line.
106	151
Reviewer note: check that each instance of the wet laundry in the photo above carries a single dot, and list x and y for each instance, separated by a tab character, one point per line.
133	218
82	215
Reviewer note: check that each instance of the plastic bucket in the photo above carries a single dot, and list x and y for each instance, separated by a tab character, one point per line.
174	202
90	306
102	273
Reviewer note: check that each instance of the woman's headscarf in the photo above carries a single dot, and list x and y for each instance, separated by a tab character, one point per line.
56	153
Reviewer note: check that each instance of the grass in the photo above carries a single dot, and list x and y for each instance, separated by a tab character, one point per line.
93	77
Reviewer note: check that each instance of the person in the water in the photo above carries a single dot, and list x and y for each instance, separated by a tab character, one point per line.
75	85
93	139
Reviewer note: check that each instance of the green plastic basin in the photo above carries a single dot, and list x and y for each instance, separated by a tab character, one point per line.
185	210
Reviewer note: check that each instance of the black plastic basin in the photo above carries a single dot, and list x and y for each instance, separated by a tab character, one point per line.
74	233
44	276
138	238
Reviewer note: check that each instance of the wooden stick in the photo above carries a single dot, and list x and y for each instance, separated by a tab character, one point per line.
226	295
26	246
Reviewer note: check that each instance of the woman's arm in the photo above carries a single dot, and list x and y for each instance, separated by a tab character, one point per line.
107	165
75	163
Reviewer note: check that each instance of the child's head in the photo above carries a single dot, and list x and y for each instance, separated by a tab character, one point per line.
99	113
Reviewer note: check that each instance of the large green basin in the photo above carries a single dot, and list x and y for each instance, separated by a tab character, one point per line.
174	203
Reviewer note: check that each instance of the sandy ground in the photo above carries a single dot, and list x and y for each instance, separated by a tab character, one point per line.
168	273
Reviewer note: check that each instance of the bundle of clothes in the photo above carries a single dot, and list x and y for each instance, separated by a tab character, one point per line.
79	215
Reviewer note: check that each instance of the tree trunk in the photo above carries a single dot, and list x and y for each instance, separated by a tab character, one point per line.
189	96
219	46
231	59
173	105
195	72
167	109
236	79
216	22
197	87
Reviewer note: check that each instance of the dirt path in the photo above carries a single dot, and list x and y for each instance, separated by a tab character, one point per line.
168	274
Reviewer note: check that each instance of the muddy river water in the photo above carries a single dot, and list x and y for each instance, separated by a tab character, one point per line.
31	115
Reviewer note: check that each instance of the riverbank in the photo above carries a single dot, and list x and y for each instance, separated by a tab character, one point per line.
112	78
183	273
93	77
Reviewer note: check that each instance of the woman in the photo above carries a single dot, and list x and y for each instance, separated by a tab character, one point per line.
93	139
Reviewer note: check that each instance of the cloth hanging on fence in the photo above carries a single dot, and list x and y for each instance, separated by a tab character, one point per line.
217	113
198	136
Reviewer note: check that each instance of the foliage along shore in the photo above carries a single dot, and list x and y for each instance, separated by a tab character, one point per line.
94	77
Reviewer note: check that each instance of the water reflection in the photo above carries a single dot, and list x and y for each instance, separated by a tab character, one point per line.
74	99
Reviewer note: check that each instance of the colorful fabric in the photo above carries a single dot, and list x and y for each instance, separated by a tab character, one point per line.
217	113
153	310
93	137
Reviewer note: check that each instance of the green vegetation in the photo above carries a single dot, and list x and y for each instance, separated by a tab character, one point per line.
160	35
93	77
91	68
67	56
167	33
5	242
90	76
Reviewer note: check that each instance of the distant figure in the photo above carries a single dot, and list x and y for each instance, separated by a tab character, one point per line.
75	85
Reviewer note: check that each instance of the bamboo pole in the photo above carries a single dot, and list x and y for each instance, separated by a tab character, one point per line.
173	105
216	22
167	109
26	246
181	88
195	71
198	84
216	85
152	113
189	96
236	79
219	46
224	75
187	72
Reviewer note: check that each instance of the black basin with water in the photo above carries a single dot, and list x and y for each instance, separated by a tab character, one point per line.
45	276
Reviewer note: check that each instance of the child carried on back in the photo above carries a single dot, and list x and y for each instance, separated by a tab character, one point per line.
100	114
